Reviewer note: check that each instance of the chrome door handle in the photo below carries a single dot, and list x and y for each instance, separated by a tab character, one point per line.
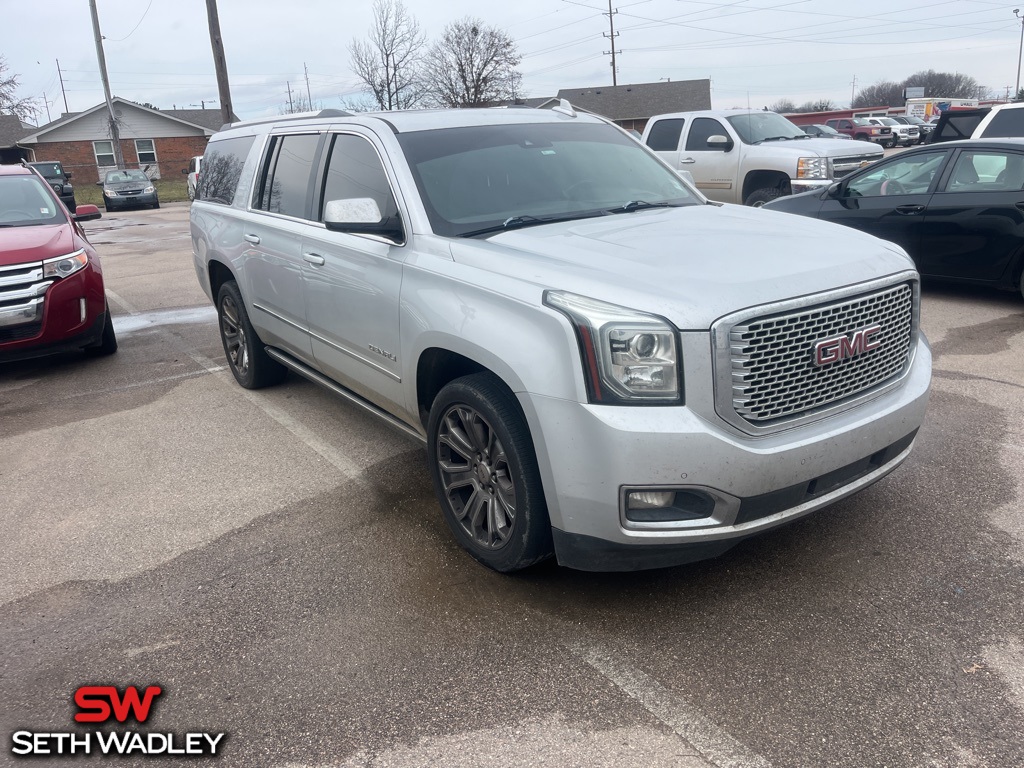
910	210
687	161
314	258
254	239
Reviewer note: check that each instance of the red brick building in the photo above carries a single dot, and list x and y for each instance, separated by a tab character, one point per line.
159	141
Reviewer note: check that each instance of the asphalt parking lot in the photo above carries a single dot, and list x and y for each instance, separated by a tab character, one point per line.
276	562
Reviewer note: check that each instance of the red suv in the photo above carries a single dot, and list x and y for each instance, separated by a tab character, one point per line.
51	283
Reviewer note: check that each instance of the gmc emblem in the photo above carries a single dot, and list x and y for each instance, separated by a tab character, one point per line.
834	350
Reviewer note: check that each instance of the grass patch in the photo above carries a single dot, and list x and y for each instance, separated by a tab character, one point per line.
168	190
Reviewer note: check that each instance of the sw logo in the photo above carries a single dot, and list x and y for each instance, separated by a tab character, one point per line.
102	703
842	347
98	702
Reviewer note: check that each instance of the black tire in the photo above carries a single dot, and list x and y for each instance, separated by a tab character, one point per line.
889	143
247	357
156	204
759	197
862	137
485	474
108	341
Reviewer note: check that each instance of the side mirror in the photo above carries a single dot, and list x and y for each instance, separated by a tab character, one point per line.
361	216
719	142
835	190
68	174
99	183
86	213
184	171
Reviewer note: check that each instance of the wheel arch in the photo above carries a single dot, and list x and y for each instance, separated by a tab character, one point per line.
761	179
219	273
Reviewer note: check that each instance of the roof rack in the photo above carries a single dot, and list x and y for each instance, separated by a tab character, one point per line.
293	116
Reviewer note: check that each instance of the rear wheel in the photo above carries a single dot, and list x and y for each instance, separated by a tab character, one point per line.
485	473
247	357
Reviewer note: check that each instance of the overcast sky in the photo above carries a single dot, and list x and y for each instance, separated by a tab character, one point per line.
754	51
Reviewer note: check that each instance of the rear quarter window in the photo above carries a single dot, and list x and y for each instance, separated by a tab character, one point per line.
1005	123
222	169
664	135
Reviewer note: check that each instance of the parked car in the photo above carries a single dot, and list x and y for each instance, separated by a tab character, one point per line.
128	189
192	174
862	129
55	175
750	156
1001	121
51	283
524	289
822	132
924	130
904	135
955	207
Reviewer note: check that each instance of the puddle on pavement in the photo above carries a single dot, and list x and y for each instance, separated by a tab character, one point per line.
144	320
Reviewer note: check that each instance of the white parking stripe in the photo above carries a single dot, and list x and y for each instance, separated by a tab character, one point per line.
714	744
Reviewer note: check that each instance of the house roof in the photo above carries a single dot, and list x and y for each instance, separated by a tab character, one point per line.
641	100
12	130
207	120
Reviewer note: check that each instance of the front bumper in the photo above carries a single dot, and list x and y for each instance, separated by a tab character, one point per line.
129	201
588	454
806	185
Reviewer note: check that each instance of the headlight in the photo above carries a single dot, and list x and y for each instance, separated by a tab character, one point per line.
629	357
147	190
812	168
108	192
62	266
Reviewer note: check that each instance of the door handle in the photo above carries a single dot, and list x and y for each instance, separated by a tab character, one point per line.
1019	206
687	161
254	239
910	210
314	258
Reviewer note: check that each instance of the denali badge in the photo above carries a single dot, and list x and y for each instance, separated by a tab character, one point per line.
833	350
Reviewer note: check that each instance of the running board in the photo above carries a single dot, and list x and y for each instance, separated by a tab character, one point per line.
318	378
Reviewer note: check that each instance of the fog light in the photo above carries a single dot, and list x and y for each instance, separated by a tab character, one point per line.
650	499
668	506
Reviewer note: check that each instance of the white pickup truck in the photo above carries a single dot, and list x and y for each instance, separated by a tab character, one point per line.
751	156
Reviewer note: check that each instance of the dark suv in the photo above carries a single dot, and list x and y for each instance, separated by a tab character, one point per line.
59	179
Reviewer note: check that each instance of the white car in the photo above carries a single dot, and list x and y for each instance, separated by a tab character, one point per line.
906	135
192	172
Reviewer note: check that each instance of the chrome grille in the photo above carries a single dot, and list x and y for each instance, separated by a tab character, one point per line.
22	294
773	371
844	165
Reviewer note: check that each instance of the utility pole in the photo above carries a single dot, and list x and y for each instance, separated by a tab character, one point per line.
115	133
47	105
1020	50
853	90
309	97
61	76
219	62
611	36
291	107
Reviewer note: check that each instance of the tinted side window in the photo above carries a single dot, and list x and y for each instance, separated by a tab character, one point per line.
664	135
285	181
1006	122
222	168
354	170
701	130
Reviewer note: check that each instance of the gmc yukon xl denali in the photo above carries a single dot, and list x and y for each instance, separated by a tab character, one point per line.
604	366
751	156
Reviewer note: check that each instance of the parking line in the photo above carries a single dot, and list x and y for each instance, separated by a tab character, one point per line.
714	744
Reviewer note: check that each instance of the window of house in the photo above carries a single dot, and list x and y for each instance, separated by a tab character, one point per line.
145	150
104	151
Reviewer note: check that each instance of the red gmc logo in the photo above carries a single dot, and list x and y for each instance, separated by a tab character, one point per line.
841	347
98	702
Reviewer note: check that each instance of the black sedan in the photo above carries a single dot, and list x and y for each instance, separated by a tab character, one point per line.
957	208
822	132
128	188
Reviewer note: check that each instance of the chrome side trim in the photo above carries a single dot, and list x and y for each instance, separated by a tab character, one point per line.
318	378
283	319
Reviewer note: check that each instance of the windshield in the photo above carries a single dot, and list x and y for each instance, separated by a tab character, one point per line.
755	127
115	177
489	176
826	129
49	170
887	121
862	121
915	121
26	202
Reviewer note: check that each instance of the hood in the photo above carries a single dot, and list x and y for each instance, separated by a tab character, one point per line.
20	245
823	148
691	265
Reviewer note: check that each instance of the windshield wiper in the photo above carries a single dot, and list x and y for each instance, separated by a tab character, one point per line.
775	138
637	205
518	222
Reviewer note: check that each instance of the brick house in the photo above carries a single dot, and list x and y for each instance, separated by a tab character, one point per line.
159	141
630	106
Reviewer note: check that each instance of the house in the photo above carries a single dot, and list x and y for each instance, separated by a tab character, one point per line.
160	141
631	106
11	130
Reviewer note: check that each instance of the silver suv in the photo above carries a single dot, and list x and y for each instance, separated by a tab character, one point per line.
603	365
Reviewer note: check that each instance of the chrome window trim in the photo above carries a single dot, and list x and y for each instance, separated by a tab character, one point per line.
722	357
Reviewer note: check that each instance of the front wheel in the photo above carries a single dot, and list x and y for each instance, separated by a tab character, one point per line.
759	197
485	474
247	358
108	340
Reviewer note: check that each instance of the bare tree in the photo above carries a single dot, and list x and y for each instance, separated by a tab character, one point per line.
885	93
816	105
299	103
389	62
25	109
472	65
782	106
944	84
